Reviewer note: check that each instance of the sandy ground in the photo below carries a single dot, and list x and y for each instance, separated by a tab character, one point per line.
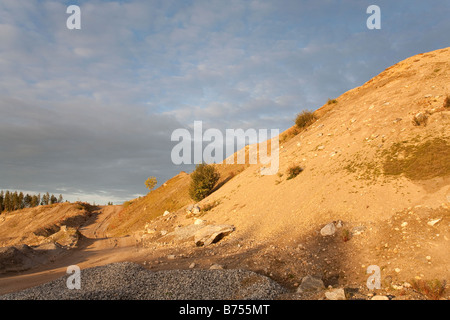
278	220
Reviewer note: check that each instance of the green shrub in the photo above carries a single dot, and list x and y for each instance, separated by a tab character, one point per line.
293	171
203	180
304	119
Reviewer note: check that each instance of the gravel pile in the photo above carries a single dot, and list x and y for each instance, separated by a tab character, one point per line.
131	281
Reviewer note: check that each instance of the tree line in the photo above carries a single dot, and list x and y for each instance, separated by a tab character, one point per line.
10	201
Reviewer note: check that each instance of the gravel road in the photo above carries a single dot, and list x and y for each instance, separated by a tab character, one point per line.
131	281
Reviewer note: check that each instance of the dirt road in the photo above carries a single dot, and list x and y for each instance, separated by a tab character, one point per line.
95	248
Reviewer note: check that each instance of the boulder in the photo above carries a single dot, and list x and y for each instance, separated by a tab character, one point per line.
211	234
310	283
66	237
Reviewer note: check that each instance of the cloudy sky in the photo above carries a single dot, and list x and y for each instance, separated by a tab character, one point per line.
89	113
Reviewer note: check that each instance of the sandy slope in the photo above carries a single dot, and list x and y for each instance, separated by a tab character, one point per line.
344	154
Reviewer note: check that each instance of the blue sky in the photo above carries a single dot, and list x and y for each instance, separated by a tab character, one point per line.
89	113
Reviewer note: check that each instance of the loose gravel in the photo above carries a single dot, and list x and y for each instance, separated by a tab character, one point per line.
131	281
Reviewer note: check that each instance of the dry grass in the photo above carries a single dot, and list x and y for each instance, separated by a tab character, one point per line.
433	289
447	102
304	119
332	101
171	197
209	206
289	134
418	162
293	171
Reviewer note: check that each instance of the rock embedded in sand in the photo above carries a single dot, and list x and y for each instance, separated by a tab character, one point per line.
310	283
328	230
211	234
335	294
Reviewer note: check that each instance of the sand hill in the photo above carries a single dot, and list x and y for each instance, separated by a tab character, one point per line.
376	173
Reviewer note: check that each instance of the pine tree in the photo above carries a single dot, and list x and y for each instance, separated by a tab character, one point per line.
7	201
34	201
1	201
27	201
15	201
45	199
20	200
53	199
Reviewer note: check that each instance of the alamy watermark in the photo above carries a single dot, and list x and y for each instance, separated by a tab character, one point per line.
74	20
74	280
374	280
374	21
191	150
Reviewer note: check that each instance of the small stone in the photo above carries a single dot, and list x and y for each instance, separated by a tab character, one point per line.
379	298
171	257
404	224
199	221
328	230
395	287
428	258
310	283
216	267
433	222
335	294
195	209
397	270
192	265
166	213
358	230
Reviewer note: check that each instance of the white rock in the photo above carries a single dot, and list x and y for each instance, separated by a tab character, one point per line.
335	294
192	265
216	267
196	209
199	221
379	298
166	213
433	222
328	230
